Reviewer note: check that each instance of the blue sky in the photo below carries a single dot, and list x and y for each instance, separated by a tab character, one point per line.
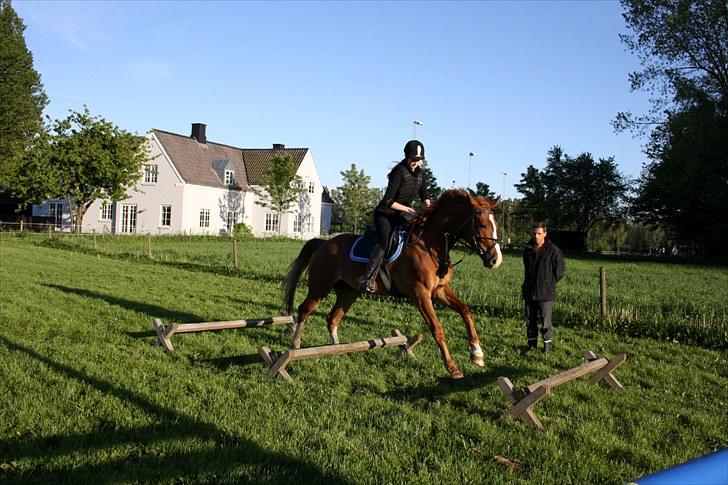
506	80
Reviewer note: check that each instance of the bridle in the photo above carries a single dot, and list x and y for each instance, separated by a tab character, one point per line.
476	240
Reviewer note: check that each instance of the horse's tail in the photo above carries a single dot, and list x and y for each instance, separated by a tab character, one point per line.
295	270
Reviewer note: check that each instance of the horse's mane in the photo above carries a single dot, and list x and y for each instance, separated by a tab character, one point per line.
451	197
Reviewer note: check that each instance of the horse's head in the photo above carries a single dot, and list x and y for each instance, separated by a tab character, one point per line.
476	226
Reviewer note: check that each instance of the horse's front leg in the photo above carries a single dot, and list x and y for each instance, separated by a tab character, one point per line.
449	298
427	309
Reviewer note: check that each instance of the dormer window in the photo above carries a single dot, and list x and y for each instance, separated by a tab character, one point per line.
229	177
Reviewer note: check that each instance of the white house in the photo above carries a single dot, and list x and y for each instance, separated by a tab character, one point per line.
191	185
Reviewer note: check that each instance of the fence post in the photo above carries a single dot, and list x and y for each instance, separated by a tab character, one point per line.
149	246
95	246
21	225
603	291
235	253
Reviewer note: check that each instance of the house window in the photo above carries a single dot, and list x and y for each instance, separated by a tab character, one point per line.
106	210
204	217
297	223
271	222
56	213
232	217
150	173
308	227
229	177
311	188
166	216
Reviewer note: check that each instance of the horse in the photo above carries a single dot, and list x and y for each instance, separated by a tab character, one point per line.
422	273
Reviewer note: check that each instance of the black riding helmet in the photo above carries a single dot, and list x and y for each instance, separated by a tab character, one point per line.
414	150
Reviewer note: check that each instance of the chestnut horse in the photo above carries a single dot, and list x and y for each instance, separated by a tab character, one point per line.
421	273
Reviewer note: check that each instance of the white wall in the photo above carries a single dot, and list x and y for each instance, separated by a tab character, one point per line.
309	205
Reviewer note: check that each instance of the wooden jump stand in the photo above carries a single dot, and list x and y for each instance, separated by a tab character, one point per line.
523	398
277	362
165	332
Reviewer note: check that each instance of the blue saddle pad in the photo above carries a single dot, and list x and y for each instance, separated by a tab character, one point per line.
362	247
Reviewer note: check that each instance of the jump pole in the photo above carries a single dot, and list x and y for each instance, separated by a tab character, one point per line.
523	398
165	332
277	362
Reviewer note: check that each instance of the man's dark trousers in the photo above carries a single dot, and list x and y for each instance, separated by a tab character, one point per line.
539	312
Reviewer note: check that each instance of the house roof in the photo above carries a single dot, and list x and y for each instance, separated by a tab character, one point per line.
326	197
194	160
257	160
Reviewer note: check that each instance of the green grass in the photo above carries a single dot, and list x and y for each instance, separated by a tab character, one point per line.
87	396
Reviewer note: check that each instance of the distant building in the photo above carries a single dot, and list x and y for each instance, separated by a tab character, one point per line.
327	209
191	185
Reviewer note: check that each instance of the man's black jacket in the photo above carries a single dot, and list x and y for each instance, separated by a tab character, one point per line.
541	272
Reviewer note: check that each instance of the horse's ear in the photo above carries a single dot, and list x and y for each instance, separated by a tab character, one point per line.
496	201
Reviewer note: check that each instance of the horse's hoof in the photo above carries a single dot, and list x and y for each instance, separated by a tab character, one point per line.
478	360
456	374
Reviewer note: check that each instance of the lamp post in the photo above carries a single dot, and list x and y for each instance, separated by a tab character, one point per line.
414	128
470	165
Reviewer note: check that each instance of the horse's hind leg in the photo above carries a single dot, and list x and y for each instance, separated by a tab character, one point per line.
345	297
449	298
305	309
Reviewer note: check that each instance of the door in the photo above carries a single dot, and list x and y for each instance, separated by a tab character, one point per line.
128	218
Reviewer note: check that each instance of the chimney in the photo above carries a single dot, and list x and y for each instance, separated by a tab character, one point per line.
279	146
198	132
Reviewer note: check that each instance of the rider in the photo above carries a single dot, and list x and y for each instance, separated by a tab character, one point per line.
406	181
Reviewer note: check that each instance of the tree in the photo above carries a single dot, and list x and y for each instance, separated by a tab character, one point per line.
355	197
574	193
483	190
432	187
281	187
22	99
83	158
683	48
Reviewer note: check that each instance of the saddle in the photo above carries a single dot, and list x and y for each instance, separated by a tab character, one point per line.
362	247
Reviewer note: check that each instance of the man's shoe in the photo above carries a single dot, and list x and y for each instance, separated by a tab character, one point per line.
532	343
547	347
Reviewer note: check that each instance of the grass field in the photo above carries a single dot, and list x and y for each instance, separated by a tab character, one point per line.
87	396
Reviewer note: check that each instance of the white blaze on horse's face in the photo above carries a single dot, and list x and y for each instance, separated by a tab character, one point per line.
499	256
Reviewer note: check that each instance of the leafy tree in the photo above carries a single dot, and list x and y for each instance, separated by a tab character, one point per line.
574	193
22	99
356	199
683	48
685	187
483	190
281	187
83	158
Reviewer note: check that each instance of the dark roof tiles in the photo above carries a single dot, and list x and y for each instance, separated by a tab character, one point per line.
193	160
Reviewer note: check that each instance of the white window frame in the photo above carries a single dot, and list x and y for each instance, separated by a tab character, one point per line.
229	177
105	210
297	223
271	222
151	173
232	219
205	218
311	187
168	209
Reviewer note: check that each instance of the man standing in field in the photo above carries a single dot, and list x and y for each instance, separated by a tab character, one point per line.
543	265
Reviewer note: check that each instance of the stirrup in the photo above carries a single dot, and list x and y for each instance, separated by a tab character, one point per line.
368	285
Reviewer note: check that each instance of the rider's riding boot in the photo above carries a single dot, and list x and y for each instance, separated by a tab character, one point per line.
368	282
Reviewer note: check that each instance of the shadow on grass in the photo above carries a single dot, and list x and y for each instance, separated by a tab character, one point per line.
446	386
225	454
216	269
